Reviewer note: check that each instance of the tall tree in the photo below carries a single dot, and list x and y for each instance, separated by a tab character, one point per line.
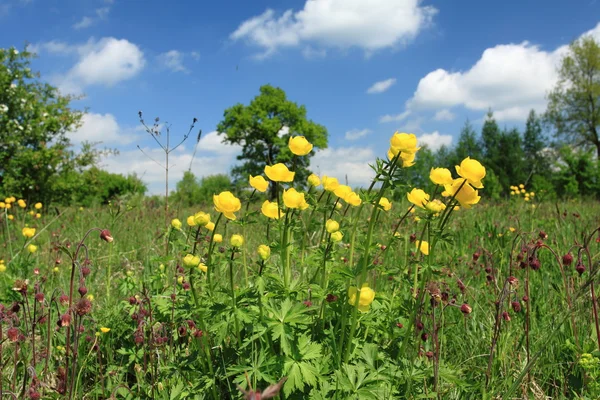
467	145
574	104
263	129
533	144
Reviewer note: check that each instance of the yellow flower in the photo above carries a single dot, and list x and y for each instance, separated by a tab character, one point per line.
38	215
294	199
2	267
385	204
32	248
264	251
521	186
342	191
522	190
338	205
279	173
7	200
191	221
313	180
227	204
300	146
435	206
31	212
22	203
175	223
532	194
38	206
472	171
104	329
418	197
511	229
271	210
28	232
330	183
218	238
202	267
191	261
2	204
236	240
337	236
12	199
55	270
201	218
259	183
353	199
440	176
8	205
366	297
180	279
11	217
332	226
408	159
210	226
467	196
404	142
423	246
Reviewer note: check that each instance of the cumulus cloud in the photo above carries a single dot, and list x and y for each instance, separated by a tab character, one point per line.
172	60
444	115
356	134
87	21
102	128
369	25
434	140
394	118
381	86
509	78
345	162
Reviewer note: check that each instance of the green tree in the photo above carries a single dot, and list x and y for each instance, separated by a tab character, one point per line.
574	104
533	144
509	164
263	129
467	146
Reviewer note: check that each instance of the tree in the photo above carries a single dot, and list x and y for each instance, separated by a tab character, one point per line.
35	154
574	104
533	143
467	145
263	129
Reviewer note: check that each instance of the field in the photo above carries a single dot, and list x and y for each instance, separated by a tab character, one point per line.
335	294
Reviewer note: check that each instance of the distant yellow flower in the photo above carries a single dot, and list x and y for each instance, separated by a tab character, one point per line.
104	329
313	180
90	297
338	205
176	223
31	212
385	204
7	200
418	197
12	199
2	204
191	261
55	270
2	267
523	190
202	267
365	297
201	218
531	194
300	146
21	203
236	240
511	229
423	246
259	183
218	238
226	203
264	251
271	210
472	171
332	226
28	232
38	215
440	176
191	221
210	226
330	183
467	196
342	191
294	199
10	217
279	173
521	186
8	205
353	199
38	206
180	279
337	236
32	248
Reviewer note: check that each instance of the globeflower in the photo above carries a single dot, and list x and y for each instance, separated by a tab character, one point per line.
104	329
472	171
423	246
337	236
365	297
332	226
236	240
201	218
226	203
440	176
28	232
217	238
191	221
466	196
342	191
210	226
300	146
385	204
202	267
264	252
294	199
21	203
279	173
418	197
435	206
271	210
404	142
353	199
38	206
176	223
191	261
259	183
313	180
32	248
330	183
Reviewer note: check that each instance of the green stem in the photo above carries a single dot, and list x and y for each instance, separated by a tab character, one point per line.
211	248
233	300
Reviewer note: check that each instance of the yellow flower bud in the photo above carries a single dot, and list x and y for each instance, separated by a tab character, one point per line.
337	236
236	240
32	248
218	238
191	261
365	297
104	329
201	218
202	267
294	199
21	203
28	232
423	246
264	251
176	223
210	226
332	226
191	221
313	180
38	206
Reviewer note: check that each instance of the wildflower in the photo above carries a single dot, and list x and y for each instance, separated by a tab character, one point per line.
521	186
418	197
279	173
2	267
83	307
21	203
32	248
385	204
299	145
191	261
294	199
337	236
264	251
440	176
332	226
202	267
511	229
104	329
38	215
28	232
227	203
342	191
271	210
472	171
567	259
466	309
90	297
176	223
404	142
236	240
408	159
338	205
313	180
38	206
210	226
105	235
580	268
191	221
435	206
466	196
10	216
366	297
330	183
201	218
2	204
353	199
31	212
259	183
423	246
217	238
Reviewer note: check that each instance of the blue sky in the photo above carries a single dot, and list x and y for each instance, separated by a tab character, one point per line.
364	69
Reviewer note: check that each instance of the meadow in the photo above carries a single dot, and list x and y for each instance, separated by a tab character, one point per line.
326	292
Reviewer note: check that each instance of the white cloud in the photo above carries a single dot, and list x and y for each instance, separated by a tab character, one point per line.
102	128
370	25
195	55
355	134
173	60
381	86
345	162
434	140
444	115
394	118
85	22
509	78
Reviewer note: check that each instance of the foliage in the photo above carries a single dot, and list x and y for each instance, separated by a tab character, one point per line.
190	191
99	187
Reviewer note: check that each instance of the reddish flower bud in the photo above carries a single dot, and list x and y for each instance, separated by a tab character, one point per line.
65	320
429	355
516	306
39	297
419	325
580	268
525	299
505	316
186	286
331	298
466	309
476	256
307	303
82	291
12	334
413	238
534	263
106	236
83	307
399	325
567	259
85	271
543	235
63	300
424	336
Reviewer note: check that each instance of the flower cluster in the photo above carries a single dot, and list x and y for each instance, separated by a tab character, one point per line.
520	191
11	202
